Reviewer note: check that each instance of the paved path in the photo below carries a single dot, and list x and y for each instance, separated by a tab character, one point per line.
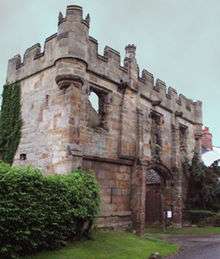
207	247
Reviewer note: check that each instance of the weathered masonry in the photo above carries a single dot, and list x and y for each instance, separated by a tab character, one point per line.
135	141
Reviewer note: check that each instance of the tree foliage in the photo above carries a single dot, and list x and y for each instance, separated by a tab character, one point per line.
10	122
203	185
39	212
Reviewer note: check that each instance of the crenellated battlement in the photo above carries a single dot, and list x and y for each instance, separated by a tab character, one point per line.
31	53
73	41
34	60
169	97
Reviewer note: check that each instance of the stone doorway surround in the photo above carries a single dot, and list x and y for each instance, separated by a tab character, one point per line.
146	176
157	180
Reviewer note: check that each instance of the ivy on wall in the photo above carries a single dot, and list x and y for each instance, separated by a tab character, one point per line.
10	122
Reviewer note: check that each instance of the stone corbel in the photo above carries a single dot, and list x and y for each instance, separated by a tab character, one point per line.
64	81
74	150
178	114
156	102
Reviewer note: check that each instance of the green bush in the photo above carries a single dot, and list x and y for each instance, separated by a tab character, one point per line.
38	212
198	216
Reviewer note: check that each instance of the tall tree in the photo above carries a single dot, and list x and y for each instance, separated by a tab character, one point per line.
202	185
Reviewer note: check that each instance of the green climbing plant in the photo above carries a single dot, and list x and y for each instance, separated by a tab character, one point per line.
10	122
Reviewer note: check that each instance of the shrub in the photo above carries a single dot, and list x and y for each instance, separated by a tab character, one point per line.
212	221
216	220
198	216
38	212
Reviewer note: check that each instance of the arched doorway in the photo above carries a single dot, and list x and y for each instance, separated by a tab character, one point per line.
153	199
156	178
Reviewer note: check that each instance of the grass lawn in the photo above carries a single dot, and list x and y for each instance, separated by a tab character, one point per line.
108	245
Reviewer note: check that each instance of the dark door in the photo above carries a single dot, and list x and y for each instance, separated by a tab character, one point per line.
153	208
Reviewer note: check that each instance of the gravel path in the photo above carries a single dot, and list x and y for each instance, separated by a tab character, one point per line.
207	247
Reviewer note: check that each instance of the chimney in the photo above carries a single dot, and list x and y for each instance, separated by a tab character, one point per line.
130	51
130	63
206	139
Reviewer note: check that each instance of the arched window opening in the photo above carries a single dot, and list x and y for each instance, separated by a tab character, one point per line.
97	107
94	101
156	138
183	139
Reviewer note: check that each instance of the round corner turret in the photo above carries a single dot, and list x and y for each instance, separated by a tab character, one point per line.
73	33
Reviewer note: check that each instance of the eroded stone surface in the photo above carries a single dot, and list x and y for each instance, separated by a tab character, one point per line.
137	128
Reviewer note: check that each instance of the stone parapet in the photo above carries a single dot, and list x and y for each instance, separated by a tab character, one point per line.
73	41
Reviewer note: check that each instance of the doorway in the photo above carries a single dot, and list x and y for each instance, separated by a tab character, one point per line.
153	205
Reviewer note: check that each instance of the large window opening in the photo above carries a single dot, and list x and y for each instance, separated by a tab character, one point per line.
156	140
183	139
97	108
94	101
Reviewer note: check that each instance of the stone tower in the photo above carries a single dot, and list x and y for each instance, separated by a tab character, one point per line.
135	141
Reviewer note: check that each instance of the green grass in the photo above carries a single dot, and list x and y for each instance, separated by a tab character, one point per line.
124	245
196	231
108	245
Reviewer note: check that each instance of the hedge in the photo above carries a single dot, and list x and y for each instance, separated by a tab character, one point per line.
214	221
43	212
197	216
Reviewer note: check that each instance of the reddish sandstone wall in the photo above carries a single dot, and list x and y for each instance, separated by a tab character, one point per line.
115	182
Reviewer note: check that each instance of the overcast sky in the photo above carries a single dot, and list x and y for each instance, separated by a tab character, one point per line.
177	40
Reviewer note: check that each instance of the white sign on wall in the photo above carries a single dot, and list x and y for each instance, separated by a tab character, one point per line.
169	214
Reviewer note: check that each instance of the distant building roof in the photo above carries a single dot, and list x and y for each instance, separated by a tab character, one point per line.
210	153
206	139
209	157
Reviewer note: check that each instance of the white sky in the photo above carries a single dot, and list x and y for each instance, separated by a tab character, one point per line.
178	41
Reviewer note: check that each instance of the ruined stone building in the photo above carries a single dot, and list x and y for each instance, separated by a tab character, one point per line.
135	141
